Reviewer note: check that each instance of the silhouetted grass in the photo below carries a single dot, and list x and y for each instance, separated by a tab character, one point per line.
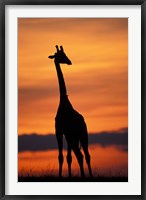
72	179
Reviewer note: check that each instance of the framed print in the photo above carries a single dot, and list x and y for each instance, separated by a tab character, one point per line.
72	99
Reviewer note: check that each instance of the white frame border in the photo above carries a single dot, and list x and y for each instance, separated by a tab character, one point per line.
133	186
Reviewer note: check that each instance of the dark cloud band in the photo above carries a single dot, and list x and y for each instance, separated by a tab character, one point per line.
35	142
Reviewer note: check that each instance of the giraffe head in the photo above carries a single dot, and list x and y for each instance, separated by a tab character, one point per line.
60	57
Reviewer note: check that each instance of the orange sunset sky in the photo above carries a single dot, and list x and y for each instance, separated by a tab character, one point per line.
97	80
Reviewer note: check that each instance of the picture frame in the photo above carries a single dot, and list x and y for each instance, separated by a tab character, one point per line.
3	120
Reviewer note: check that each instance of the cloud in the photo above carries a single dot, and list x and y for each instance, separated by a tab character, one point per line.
35	142
31	94
109	138
97	25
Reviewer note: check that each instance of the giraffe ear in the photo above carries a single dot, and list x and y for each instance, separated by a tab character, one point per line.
51	57
61	47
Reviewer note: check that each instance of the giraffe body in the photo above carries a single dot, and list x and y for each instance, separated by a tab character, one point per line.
71	123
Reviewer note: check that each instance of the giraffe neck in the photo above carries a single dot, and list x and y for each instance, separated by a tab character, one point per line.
62	87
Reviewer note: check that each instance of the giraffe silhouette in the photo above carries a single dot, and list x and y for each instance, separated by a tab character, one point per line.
69	122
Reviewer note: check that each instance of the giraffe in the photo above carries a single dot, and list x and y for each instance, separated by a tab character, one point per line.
69	122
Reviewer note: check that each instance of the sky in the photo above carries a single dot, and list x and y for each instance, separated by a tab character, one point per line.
97	80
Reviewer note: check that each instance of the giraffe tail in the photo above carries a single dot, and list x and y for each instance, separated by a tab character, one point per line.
80	146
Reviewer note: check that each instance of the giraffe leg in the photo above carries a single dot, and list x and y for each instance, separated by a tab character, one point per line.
60	156
87	157
79	157
84	144
69	160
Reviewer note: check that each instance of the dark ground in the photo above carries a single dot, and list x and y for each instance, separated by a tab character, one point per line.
73	179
